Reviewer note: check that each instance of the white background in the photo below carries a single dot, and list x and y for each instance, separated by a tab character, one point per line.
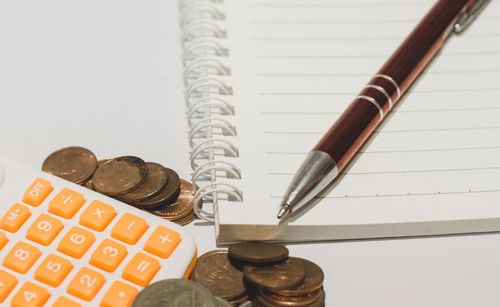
107	75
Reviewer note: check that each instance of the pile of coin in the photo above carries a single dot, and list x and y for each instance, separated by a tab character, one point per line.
262	273
145	185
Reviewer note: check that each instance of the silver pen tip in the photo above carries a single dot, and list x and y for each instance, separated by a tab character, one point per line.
283	211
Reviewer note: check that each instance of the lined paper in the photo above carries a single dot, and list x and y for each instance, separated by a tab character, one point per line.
436	156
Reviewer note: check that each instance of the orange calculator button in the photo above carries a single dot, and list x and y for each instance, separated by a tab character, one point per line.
15	217
76	242
65	302
86	284
21	257
66	203
97	215
7	283
119	294
30	295
129	228
3	240
141	269
37	192
162	242
53	270
108	255
44	229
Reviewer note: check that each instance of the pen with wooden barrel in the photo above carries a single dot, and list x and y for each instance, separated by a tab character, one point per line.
343	140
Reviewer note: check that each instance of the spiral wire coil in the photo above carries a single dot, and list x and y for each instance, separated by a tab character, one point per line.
209	108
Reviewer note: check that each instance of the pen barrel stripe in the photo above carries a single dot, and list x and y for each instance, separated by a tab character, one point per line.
383	91
374	102
391	80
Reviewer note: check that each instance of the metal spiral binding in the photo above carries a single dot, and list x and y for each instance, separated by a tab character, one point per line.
208	101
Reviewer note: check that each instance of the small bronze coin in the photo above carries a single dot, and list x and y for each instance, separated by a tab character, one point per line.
313	279
167	196
301	300
156	180
119	176
267	301
182	207
174	293
258	252
284	275
90	184
75	164
214	271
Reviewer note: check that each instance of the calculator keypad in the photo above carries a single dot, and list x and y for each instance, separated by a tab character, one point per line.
78	249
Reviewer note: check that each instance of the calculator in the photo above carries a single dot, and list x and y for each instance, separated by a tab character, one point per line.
62	244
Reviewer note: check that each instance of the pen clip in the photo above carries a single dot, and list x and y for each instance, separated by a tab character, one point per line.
469	14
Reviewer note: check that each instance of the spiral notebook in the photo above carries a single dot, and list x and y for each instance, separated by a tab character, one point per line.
265	80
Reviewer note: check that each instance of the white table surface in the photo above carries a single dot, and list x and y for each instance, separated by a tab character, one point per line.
106	75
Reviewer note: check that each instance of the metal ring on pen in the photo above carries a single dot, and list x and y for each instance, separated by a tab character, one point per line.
374	102
383	91
386	77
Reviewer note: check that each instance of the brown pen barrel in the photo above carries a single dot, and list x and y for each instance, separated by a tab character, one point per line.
384	90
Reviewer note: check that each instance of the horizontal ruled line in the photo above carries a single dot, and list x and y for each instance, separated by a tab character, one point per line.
403	195
337	5
348	22
329	75
399	111
361	56
457	90
358	38
385	131
392	151
401	172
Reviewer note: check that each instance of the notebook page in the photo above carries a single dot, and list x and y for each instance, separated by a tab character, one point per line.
435	158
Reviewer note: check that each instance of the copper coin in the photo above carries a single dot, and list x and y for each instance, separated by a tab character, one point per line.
301	300
266	301
75	164
120	175
156	180
182	207
313	279
258	252
214	271
167	196
90	184
284	275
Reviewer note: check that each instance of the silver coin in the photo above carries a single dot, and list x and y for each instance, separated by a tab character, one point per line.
175	293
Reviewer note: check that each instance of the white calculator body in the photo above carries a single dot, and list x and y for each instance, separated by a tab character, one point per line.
62	244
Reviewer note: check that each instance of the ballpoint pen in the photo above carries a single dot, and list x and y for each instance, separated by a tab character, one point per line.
341	142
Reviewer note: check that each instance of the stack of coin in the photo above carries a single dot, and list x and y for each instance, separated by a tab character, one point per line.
262	273
177	293
145	185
